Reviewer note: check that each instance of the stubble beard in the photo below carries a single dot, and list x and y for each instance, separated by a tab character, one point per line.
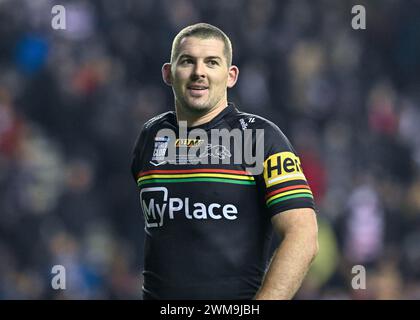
200	108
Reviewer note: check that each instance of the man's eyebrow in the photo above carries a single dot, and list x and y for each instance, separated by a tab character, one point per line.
185	56
213	58
207	58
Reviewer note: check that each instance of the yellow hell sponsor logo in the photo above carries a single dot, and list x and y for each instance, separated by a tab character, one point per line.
281	167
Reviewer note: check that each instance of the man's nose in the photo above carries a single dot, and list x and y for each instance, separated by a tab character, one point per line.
199	70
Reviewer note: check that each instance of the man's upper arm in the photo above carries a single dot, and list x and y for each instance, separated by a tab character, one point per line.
283	183
299	221
137	153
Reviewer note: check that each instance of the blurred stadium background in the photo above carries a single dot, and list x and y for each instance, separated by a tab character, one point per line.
72	102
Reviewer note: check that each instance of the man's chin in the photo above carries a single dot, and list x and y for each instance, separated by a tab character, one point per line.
198	107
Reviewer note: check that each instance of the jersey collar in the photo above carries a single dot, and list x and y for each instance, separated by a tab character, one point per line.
230	108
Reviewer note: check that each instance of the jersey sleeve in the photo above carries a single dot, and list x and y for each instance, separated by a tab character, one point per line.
138	153
283	182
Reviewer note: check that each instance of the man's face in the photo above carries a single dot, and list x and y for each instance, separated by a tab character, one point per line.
200	74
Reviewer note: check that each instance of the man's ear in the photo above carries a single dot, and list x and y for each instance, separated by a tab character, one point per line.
232	76
167	74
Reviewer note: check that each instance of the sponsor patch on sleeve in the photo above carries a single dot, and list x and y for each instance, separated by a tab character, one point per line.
281	167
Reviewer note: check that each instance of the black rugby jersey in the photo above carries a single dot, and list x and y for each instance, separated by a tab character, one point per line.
207	225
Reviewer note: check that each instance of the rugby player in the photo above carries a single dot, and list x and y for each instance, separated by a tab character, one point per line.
208	224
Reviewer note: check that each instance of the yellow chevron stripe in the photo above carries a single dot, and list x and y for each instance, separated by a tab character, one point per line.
282	194
289	177
192	175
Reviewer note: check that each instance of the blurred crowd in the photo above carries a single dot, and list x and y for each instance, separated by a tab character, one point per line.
73	101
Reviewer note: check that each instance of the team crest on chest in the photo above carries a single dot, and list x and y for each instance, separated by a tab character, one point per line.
159	151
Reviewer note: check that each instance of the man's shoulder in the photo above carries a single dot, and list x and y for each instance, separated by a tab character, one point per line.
273	135
253	121
157	120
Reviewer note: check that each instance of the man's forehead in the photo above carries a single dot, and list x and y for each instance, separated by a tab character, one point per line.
197	46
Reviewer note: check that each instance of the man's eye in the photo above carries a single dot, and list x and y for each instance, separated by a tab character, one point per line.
213	62
186	61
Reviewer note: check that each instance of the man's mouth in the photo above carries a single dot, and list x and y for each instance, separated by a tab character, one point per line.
197	90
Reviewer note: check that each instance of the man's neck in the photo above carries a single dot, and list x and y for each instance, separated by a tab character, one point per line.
194	119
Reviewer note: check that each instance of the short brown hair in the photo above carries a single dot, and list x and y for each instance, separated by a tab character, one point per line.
203	31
